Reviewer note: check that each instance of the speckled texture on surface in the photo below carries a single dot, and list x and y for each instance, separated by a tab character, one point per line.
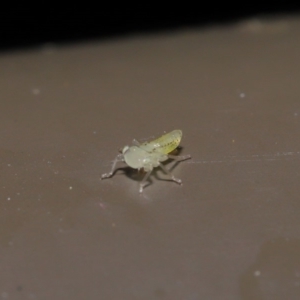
232	231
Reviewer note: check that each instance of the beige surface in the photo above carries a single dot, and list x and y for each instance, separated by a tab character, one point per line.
232	231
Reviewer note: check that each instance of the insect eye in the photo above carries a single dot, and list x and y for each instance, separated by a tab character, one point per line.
124	149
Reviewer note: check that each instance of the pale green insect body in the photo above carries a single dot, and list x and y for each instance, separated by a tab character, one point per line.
149	155
138	158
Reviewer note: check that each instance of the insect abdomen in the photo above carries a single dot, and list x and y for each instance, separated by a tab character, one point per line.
164	144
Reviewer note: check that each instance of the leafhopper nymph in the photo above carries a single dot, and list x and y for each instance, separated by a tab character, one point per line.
149	155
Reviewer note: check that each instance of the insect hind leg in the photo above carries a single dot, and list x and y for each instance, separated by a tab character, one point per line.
177	180
179	158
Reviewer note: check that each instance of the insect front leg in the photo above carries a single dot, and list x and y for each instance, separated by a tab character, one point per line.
119	158
177	180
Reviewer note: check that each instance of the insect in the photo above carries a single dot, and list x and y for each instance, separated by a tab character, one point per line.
149	155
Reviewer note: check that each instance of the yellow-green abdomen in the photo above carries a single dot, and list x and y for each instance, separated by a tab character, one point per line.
164	144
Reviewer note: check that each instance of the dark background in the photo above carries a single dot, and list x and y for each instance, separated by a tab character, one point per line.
26	27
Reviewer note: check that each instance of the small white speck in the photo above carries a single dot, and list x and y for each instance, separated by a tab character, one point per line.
49	162
9	165
242	95
70	188
36	91
295	114
257	273
8	199
94	132
32	296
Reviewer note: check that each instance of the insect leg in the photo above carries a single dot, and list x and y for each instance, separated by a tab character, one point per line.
142	184
135	142
116	160
179	158
170	174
